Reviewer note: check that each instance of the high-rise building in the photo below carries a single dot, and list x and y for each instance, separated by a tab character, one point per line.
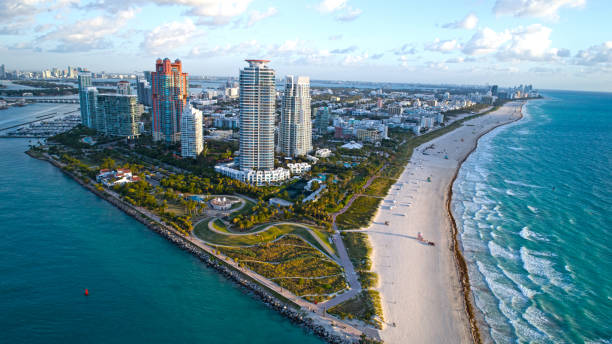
192	142
123	87
494	90
295	132
322	120
118	115
85	101
257	114
170	90
143	90
2	72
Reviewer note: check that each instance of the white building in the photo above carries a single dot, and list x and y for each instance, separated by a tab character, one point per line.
192	142
295	132
299	167
323	153
257	114
253	177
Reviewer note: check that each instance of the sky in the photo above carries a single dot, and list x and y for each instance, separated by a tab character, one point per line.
552	44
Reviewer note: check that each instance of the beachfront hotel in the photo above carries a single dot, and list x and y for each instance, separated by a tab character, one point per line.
169	92
192	142
295	132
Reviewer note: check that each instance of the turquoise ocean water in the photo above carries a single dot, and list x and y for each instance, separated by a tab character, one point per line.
534	210
58	239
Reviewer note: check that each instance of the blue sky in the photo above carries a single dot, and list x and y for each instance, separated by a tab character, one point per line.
563	44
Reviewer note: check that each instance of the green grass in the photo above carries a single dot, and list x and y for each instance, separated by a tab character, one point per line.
368	279
365	306
325	237
220	226
358	249
203	232
359	214
292	264
380	186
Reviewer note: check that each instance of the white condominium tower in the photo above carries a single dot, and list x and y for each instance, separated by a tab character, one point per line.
192	142
295	134
257	108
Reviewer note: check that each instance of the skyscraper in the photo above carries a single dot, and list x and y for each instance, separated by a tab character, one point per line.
170	90
295	134
192	142
118	115
87	116
2	72
257	106
322	118
123	87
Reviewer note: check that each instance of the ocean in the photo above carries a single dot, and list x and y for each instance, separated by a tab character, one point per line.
59	239
533	206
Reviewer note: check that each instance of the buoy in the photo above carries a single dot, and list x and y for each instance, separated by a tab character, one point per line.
86	292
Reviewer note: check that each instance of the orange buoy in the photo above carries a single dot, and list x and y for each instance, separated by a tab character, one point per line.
86	292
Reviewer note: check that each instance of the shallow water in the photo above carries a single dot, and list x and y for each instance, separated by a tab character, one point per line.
534	209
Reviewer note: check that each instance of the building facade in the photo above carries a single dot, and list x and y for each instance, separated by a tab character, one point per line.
257	112
192	142
87	118
322	120
124	88
295	132
118	115
169	95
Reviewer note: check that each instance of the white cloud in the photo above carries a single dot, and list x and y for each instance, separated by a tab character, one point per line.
207	12
355	59
469	22
406	49
534	8
329	6
345	50
335	37
169	36
485	41
529	43
256	16
87	34
445	46
595	55
437	66
343	11
349	15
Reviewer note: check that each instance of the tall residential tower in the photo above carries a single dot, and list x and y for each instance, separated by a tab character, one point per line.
170	90
192	142
257	108
85	100
295	134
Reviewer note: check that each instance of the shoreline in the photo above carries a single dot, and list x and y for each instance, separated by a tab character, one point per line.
425	290
285	306
474	315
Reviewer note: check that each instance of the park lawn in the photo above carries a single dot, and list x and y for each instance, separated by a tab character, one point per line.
380	186
358	249
359	214
326	238
176	209
248	206
292	264
365	306
220	226
203	232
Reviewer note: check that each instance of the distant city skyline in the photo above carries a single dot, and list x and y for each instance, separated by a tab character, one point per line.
557	44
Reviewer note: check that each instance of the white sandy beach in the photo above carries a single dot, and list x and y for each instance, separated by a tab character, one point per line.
419	284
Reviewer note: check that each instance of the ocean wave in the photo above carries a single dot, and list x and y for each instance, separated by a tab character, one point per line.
497	251
536	265
513	182
526	234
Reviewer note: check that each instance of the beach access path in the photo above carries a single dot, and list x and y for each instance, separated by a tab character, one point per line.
420	287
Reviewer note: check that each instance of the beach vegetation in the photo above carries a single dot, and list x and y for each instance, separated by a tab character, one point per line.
359	214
